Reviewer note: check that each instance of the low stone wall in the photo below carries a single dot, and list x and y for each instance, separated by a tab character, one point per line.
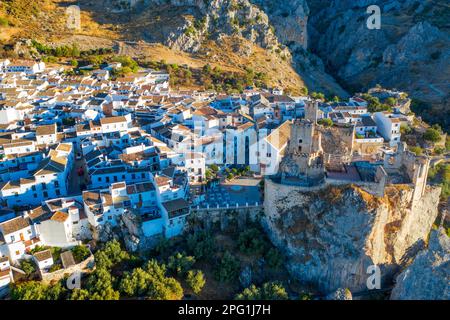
84	266
226	217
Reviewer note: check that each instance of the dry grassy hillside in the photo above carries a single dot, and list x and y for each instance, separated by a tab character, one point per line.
44	20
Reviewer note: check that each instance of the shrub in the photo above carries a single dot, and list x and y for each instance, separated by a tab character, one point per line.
196	280
80	253
326	122
55	267
28	267
417	150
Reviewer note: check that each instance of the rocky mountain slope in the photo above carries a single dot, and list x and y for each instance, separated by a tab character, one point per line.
410	52
326	42
427	278
333	234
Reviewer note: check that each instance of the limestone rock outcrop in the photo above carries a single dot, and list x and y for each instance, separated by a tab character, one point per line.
428	277
409	52
332	234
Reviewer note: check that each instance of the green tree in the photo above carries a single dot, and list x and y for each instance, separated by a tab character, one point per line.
318	95
405	129
100	286
135	283
228	268
32	290
110	255
162	287
268	291
431	134
274	258
79	294
180	263
201	244
391	101
196	280
251	241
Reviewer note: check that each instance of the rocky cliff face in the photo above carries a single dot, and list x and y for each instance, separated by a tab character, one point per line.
409	52
428	277
333	234
290	21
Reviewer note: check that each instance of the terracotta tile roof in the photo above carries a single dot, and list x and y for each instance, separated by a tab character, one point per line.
46	130
39	212
66	147
118	185
59	216
162	181
14	225
112	120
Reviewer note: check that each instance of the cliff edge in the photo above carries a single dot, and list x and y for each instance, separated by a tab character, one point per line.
332	234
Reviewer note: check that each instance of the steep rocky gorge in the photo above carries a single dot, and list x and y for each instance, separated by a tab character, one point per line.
409	52
333	234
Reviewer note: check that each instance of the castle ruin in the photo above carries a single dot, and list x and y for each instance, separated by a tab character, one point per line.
306	165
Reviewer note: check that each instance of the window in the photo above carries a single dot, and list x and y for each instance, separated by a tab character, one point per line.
115	178
143	175
58	193
99	179
34	195
107	179
13	239
45	194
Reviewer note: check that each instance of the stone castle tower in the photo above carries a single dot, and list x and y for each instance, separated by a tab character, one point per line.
303	162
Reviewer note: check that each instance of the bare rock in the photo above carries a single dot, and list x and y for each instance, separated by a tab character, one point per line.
428	277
